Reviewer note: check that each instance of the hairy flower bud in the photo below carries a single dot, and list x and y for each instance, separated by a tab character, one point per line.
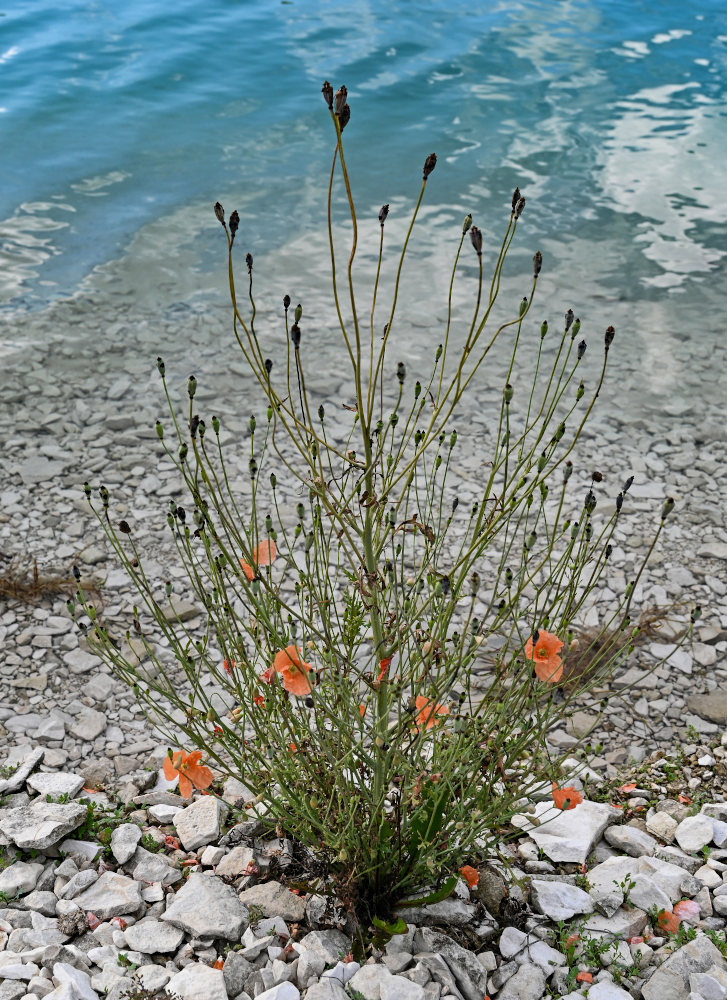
298	313
383	213
476	238
429	164
466	224
234	224
628	484
519	208
327	91
508	392
515	198
590	502
219	213
401	372
610	334
569	317
345	117
159	430
581	349
619	502
191	386
340	99
161	366
295	335
567	471
537	263
576	328
286	302
248	261
667	508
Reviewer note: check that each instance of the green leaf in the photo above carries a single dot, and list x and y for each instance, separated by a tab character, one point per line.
398	927
433	897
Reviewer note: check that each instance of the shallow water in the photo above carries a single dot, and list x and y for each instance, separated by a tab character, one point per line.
121	124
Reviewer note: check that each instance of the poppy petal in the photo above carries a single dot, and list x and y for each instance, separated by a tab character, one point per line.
170	771
185	786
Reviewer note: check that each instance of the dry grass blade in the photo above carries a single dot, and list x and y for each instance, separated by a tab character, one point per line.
28	585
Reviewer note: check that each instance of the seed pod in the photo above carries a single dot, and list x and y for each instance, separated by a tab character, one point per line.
581	349
87	490
216	424
161	366
619	502
610	334
515	198
298	315
590	502
576	328
321	412
124	528
567	471
191	386
340	99
628	484
383	212
475	581
401	372
253	467
476	238
345	117
268	366
523	305
286	302
234	224
508	392
253	424
327	91
537	263
569	317
429	164
295	335
219	213
580	390
519	208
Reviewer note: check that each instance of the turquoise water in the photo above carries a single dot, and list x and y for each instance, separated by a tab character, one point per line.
610	115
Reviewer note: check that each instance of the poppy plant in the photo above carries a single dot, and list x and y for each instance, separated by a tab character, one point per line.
262	555
566	798
543	650
291	666
428	712
187	768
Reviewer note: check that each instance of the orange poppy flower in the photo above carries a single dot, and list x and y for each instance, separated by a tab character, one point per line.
291	666
544	654
470	875
584	977
566	798
362	710
384	666
428	712
228	666
187	767
669	922
267	675
262	555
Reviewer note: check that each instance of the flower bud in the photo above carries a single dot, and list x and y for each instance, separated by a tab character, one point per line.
268	366
248	261
590	502
298	313
476	238
253	424
202	429
475	581
219	213
327	91
610	334
667	507
429	164
161	366
216	424
519	208
383	212
530	540
340	99
581	349
542	461
253	467
515	198
569	317
183	451
466	224
321	412
619	502
124	528
576	328
567	471
508	392
286	302
345	117
537	263
580	390
295	335
234	224
523	305
628	484
273	480
159	430
401	372
191	386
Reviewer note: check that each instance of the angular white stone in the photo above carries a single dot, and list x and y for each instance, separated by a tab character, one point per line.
199	824
124	840
56	783
113	895
19	878
150	936
206	907
200	982
559	900
41	824
694	832
567	835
